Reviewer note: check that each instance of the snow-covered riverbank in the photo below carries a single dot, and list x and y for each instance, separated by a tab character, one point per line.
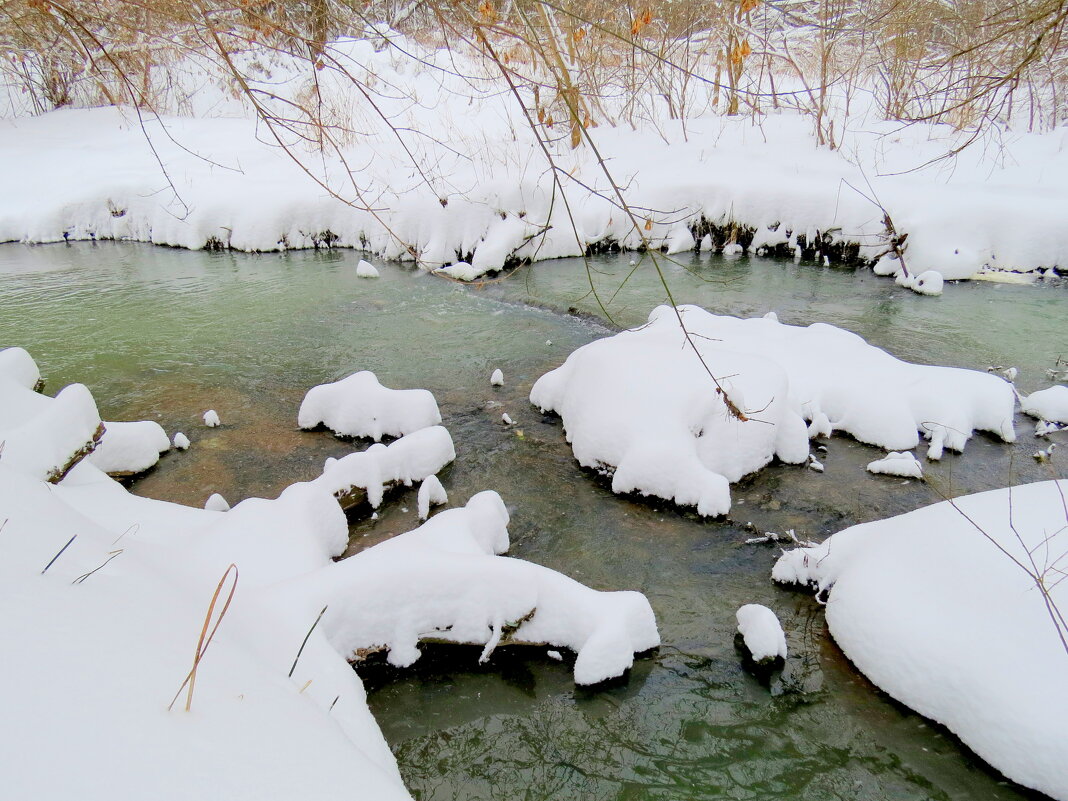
463	178
105	593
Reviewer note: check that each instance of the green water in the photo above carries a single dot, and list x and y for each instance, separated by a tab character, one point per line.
166	334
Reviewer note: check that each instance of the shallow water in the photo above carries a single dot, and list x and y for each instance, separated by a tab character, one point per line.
166	334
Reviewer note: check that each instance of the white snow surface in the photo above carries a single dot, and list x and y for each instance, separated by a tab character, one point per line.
895	463
762	632
413	457
130	447
641	403
1049	404
366	270
217	503
127	586
41	435
211	418
430	492
359	406
91	173
936	615
444	580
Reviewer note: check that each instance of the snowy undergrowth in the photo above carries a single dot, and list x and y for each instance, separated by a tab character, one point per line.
642	406
933	607
480	191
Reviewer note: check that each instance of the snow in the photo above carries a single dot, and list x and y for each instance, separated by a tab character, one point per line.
928	283
413	457
932	607
488	197
462	271
217	503
894	463
430	492
444	580
762	632
211	418
497	378
1049	404
129	581
181	441
42	436
359	406
506	419
134	626
641	406
129	448
1044	428
366	270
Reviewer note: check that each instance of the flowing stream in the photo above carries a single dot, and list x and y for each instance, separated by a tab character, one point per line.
166	334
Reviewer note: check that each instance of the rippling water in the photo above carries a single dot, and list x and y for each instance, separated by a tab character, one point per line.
165	334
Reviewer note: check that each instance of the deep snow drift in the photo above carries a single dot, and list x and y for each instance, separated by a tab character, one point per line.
642	406
940	608
125	582
466	183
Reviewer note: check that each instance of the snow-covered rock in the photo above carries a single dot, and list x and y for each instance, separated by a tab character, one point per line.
940	608
1048	404
128	448
462	271
359	406
642	405
430	493
445	581
181	441
895	463
211	418
413	457
928	283
761	632
42	436
366	270
497	378
217	503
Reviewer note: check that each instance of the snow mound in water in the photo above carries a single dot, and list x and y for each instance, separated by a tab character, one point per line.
414	457
359	406
130	447
641	405
762	632
930	608
445	581
430	493
42	436
904	465
366	270
1048	404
